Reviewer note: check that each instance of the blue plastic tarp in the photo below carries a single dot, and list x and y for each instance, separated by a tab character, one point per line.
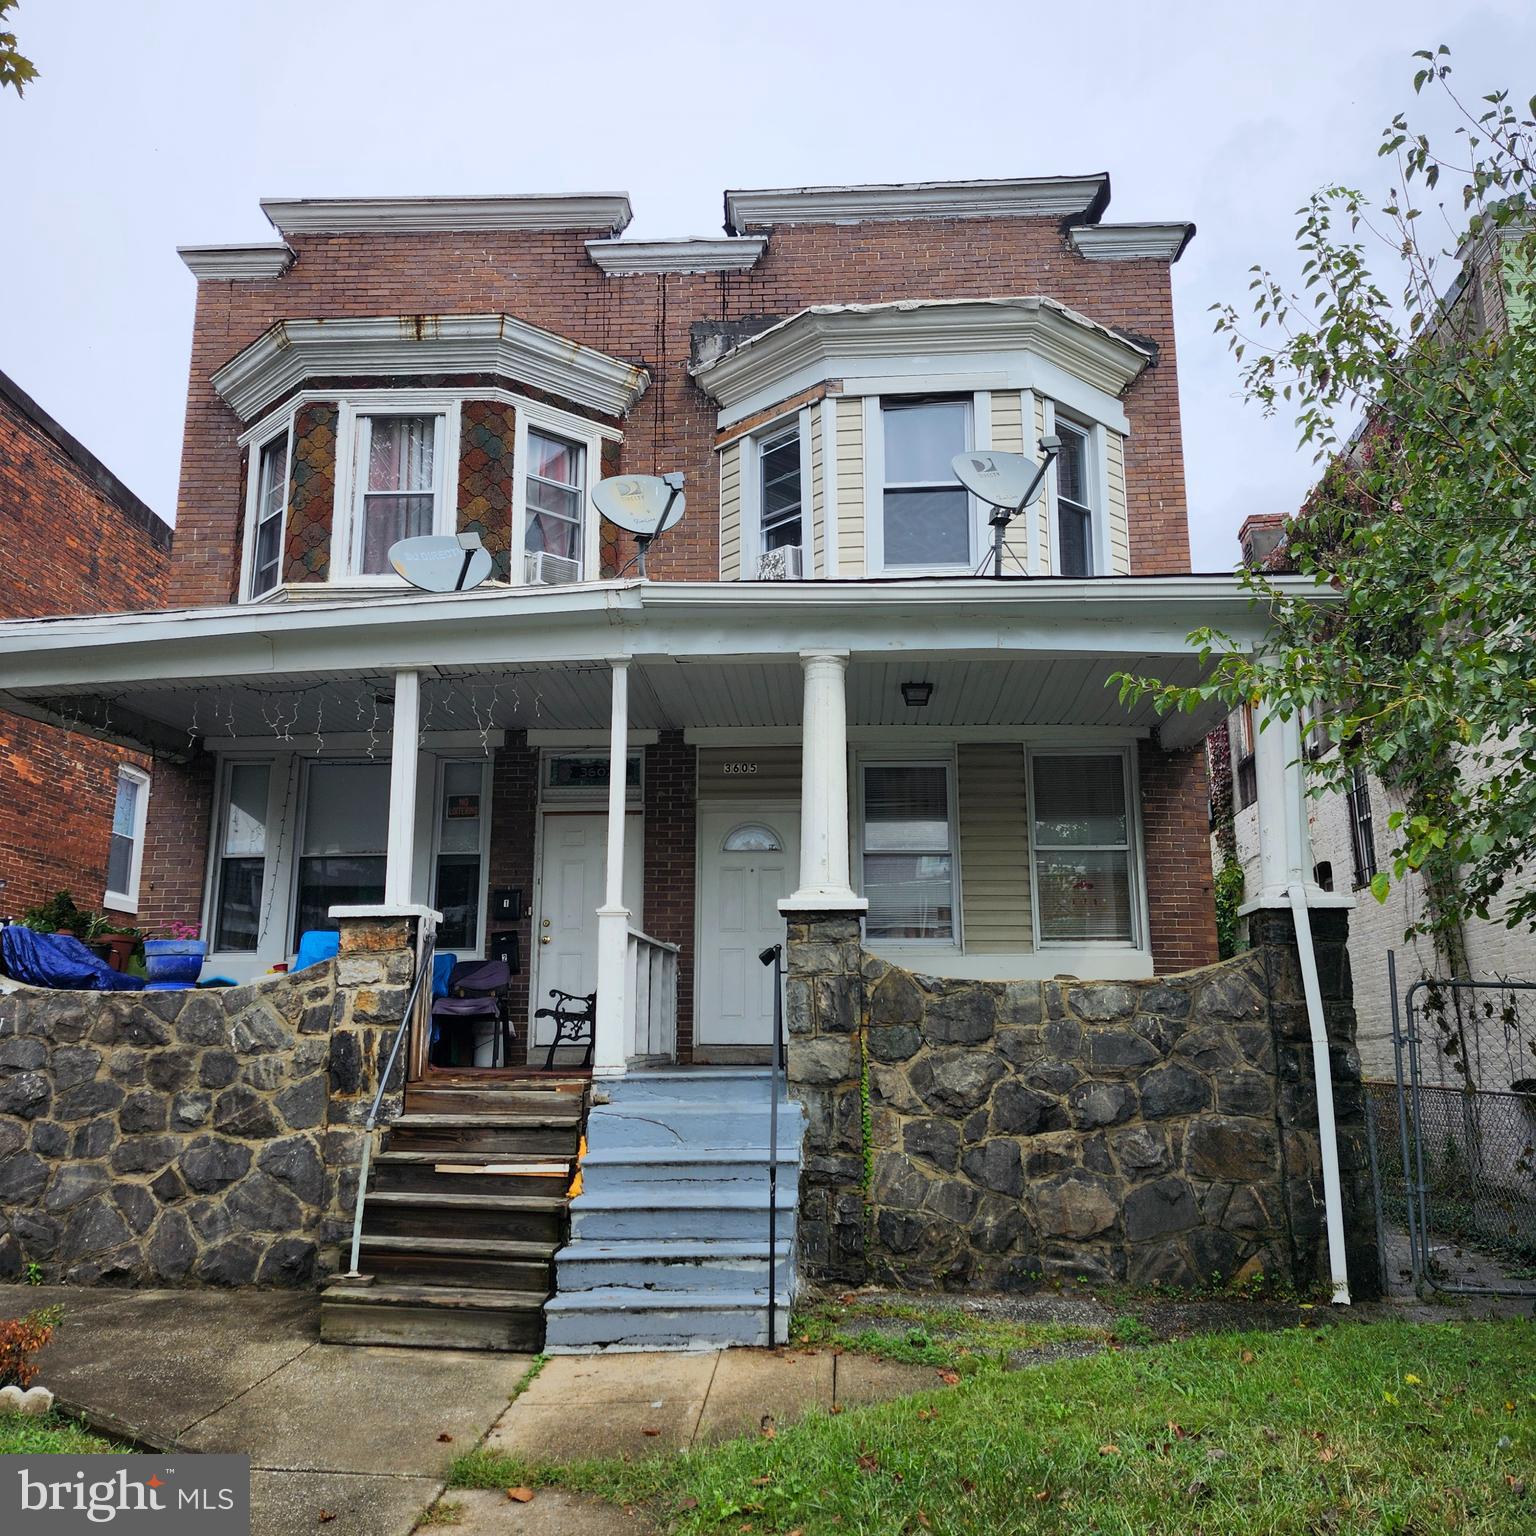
61	961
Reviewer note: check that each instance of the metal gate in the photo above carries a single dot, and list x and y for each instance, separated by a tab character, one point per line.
1453	1139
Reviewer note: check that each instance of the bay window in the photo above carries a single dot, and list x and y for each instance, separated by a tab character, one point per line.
555	489
1074	500
343	843
908	851
271	493
780	493
398	471
1081	842
925	511
240	872
457	879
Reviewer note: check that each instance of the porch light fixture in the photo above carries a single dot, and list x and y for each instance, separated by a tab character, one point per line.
916	694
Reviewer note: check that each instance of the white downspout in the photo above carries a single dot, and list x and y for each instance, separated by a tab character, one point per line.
1322	1072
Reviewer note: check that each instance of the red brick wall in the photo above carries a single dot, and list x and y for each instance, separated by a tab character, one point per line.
72	540
548	279
176	843
514	807
1175	824
671	797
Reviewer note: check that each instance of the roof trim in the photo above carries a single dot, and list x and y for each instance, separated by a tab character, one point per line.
608	211
1017	197
106	483
729	253
236	263
826	338
1130	242
293	351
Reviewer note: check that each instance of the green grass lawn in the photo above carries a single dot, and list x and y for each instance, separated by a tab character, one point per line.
1325	1431
21	1435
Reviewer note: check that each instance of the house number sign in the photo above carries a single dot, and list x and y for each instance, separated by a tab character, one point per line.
736	770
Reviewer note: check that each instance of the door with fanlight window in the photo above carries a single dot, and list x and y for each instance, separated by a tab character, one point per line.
749	862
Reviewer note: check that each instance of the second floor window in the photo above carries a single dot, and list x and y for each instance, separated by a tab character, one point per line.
780	494
271	503
927	511
556	492
1074	510
1362	828
397	490
1245	777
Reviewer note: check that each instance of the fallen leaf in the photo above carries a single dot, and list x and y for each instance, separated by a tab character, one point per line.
763	1481
326	1515
1109	1450
520	1495
869	1462
949	1378
1327	1453
689	1503
927	1413
1247	1357
922	1518
444	1439
1516	1485
1412	1380
1043	1496
835	1408
767	1428
967	1485
652	1433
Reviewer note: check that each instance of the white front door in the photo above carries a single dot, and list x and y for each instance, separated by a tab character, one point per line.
573	865
748	864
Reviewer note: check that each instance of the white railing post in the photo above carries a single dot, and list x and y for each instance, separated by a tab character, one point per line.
608	1051
400	847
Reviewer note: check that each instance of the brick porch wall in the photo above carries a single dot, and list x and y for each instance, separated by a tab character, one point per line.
176	842
1175	819
514	812
671	836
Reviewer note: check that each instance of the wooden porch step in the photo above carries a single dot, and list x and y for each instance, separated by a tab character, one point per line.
467	1172
545	1135
419	1213
520	1100
431	1316
457	1262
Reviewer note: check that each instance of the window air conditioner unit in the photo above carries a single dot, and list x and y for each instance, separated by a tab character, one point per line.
547	570
781	564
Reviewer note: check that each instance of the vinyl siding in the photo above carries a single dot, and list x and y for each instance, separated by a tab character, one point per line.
1008	437
777	775
1119	516
730	512
993	814
1043	506
850	487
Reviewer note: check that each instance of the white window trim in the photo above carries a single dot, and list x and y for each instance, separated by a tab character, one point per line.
978	434
347	519
1067	746
477	952
281	427
289	929
946	760
572	429
128	901
276	768
801	422
583	793
1096	469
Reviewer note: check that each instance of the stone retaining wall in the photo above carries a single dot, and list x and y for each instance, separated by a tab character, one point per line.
161	1137
1158	1131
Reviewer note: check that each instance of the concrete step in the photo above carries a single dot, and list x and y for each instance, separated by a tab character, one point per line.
497	1264
683	1265
426	1316
522	1218
629	1318
701	1127
703	1168
660	1213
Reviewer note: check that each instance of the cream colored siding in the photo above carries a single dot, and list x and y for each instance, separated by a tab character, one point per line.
1043	506
850	487
812	557
993	817
746	775
1008	437
730	512
1115	505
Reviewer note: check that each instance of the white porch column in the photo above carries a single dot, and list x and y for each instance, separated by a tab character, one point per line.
608	1052
824	873
1285	838
401	847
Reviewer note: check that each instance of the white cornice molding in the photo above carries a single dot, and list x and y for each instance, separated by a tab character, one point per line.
831	340
415	215
730	253
236	263
1130	242
1020	197
293	351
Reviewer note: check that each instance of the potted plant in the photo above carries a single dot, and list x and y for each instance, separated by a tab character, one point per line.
115	945
173	962
58	914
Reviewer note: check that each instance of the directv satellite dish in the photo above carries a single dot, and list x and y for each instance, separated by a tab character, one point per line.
442	562
1007	482
644	505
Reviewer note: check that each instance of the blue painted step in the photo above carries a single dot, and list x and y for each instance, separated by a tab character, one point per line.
622	1318
681	1265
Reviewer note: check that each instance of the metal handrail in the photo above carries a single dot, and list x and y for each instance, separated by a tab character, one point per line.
424	964
774	956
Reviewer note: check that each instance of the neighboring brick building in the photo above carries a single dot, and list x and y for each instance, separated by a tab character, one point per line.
73	540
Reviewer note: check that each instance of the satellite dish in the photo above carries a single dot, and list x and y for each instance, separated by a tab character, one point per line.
442	562
999	479
644	505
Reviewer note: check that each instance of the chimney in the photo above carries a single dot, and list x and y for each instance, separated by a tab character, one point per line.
1260	536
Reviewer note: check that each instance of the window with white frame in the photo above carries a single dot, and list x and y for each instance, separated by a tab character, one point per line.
926	512
398	483
1362	827
780	493
908	851
344	841
1085	887
240	875
271	505
555	488
458	881
1074	500
125	848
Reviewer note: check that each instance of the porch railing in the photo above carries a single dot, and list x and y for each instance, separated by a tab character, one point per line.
650	992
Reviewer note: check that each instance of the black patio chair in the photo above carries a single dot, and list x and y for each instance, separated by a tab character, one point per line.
477	994
575	1019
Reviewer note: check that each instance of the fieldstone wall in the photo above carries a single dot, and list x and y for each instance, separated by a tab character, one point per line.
154	1138
990	1134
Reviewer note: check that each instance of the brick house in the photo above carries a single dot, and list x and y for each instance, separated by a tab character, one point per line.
818	707
74	540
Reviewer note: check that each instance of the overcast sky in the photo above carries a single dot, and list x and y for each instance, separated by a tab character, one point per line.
159	124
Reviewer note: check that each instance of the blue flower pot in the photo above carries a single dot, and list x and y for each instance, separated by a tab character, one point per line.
172	965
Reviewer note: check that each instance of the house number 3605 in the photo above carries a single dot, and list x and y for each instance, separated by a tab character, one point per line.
734	768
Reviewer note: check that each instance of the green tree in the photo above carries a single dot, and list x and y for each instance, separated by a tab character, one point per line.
15	70
1408	355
